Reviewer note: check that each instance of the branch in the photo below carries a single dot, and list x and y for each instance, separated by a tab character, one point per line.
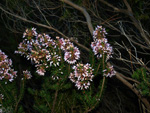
115	8
38	24
130	79
144	100
41	13
127	5
54	102
83	10
45	26
129	12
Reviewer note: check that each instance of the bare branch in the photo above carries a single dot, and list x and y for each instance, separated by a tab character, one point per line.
41	13
45	26
115	8
129	12
128	6
144	100
130	79
83	10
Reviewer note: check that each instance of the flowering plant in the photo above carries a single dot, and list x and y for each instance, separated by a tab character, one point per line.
9	97
82	76
6	71
58	60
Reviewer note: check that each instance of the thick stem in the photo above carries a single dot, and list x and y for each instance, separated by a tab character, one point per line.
20	96
54	102
85	13
97	68
144	100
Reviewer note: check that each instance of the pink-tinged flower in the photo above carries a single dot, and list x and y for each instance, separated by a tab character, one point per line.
27	74
82	76
39	56
30	32
61	43
99	33
40	69
64	43
109	71
55	59
6	71
72	54
23	48
100	45
45	41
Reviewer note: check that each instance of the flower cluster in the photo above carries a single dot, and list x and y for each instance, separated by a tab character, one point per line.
102	48
99	33
6	71
55	59
82	76
44	51
40	69
72	53
29	33
39	48
27	74
100	45
63	43
109	71
45	41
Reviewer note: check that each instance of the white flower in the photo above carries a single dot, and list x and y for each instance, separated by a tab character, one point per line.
72	54
27	74
100	45
82	76
109	71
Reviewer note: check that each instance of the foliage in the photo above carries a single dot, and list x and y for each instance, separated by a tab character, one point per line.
143	77
49	57
10	96
127	21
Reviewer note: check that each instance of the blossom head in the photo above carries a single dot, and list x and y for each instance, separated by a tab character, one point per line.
6	71
27	74
72	54
100	45
82	76
61	43
99	33
40	69
45	41
64	43
55	59
30	32
109	71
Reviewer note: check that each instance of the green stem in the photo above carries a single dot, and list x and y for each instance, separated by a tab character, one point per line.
103	78
20	96
103	83
54	102
46	99
97	68
102	88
